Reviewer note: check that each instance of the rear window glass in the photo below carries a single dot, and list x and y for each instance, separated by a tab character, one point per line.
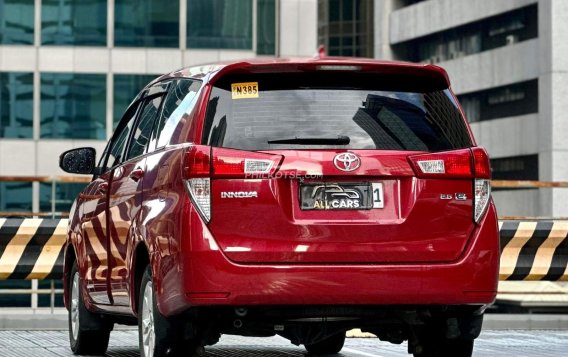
264	112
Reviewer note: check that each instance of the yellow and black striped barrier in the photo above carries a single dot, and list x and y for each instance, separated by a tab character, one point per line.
530	250
534	250
32	248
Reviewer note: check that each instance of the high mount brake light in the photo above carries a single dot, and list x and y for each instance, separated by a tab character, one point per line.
466	163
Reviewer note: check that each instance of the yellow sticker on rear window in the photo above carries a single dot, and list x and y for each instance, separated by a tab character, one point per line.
244	90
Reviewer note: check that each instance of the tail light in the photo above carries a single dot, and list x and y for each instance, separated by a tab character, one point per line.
196	173
482	183
229	163
451	164
201	163
466	163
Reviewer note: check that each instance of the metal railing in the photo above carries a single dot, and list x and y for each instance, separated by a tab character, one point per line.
34	291
54	180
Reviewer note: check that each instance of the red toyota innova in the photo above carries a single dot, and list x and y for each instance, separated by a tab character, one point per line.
297	197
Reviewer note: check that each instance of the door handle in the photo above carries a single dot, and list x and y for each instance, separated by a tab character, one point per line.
102	188
137	174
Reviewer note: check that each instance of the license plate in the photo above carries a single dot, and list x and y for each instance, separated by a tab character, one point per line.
344	196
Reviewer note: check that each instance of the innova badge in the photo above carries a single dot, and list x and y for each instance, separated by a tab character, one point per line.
347	161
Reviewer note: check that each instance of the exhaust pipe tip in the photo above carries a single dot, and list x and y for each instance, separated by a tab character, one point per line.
237	323
241	311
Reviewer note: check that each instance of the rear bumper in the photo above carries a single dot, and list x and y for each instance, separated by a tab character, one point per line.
211	279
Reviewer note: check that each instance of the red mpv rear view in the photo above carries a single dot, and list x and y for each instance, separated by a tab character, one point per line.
301	197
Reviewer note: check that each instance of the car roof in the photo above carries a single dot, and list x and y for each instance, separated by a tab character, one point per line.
213	71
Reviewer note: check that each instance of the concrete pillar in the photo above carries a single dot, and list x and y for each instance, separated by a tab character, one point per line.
298	28
553	107
382	10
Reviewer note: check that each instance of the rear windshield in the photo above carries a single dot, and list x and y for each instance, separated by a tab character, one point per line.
270	112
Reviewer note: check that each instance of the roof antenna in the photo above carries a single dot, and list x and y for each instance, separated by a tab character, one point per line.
321	52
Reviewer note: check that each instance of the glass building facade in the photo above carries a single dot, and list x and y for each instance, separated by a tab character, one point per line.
266	27
16	109
16	22
345	27
74	22
149	23
65	193
73	106
219	24
126	87
15	196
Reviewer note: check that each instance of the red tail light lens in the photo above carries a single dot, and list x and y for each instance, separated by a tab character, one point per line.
228	163
467	163
482	184
456	164
481	163
197	162
196	172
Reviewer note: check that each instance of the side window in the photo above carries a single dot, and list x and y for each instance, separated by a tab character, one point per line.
115	148
179	102
144	127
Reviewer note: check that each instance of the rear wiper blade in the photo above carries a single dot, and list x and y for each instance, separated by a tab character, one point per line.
339	140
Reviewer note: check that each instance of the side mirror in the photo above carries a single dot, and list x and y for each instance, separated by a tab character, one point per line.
78	161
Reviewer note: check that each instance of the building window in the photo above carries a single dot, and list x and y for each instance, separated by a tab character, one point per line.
219	24
487	34
500	102
146	23
515	168
73	106
65	194
345	27
16	97
126	87
16	197
266	27
74	22
17	22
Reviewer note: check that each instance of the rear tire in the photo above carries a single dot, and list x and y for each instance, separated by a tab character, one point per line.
329	346
88	333
157	334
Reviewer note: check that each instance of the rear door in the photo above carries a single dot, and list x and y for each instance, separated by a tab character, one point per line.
346	185
126	195
95	212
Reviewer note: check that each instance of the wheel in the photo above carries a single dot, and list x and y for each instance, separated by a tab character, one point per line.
88	333
329	346
157	334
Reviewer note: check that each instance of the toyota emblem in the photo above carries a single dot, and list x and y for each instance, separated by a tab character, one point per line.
347	161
